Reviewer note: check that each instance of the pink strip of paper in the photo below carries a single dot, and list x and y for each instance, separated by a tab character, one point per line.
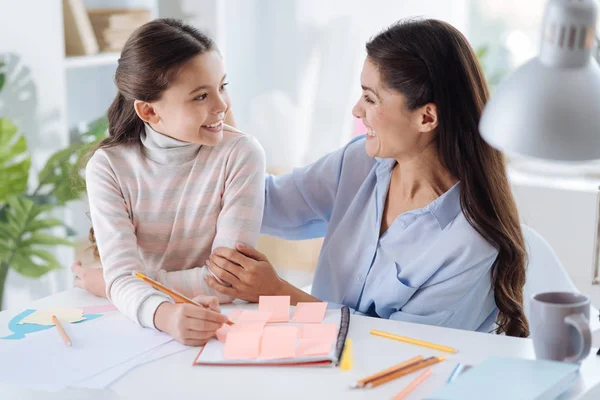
98	309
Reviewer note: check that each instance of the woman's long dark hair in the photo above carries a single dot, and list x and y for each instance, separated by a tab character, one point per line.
430	61
150	58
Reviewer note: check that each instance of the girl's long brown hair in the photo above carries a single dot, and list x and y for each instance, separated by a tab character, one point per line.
150	58
430	61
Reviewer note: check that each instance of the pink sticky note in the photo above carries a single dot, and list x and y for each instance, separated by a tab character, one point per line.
222	333
98	309
279	306
252	316
319	331
313	347
309	312
278	342
242	345
248	327
234	314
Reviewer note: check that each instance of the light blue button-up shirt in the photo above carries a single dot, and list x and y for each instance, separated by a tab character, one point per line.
429	267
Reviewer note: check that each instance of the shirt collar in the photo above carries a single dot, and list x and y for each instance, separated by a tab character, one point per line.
444	209
167	150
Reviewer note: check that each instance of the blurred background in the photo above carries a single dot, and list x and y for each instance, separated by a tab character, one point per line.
293	68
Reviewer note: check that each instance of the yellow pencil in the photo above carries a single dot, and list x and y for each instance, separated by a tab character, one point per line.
413	385
413	341
61	330
347	361
172	293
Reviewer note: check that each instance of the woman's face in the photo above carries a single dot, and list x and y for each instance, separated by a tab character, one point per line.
193	107
392	130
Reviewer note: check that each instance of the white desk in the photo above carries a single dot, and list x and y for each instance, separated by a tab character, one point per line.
174	377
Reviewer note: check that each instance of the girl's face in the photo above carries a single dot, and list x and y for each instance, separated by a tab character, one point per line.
193	108
392	130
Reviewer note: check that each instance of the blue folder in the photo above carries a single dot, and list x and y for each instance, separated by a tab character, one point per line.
511	378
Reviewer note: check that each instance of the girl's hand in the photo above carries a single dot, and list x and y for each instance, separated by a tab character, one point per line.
189	324
247	270
90	279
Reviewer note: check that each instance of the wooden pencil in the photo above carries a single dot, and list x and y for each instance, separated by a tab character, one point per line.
61	331
413	341
362	382
172	293
405	371
413	385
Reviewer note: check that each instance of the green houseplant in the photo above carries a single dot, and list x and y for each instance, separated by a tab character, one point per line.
27	228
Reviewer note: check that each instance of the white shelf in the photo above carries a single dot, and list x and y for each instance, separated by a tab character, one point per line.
91	61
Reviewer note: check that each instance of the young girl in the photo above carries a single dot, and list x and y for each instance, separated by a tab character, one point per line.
172	181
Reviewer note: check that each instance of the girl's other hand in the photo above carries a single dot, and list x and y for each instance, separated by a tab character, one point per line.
90	279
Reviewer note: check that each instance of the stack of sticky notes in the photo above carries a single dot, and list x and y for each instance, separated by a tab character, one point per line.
268	333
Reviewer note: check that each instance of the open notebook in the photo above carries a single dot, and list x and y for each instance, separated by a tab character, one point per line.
213	352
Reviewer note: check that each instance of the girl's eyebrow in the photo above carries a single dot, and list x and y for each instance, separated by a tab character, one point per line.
206	86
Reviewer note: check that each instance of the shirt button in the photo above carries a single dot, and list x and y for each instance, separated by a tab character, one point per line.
359	278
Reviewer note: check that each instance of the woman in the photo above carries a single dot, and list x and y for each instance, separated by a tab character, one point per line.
419	221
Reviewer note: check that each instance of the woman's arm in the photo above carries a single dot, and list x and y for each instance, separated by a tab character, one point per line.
298	204
251	276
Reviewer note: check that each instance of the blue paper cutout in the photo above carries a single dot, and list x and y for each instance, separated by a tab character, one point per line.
20	330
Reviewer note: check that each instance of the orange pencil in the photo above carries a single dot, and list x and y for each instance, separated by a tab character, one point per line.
172	293
361	383
405	371
413	385
61	330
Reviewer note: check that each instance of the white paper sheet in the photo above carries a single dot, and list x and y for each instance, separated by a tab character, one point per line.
43	361
106	378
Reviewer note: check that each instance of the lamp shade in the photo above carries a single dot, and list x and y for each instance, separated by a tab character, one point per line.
549	108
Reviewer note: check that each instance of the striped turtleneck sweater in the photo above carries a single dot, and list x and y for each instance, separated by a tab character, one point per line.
162	207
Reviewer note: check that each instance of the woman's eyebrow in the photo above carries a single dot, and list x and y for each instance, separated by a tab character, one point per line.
366	88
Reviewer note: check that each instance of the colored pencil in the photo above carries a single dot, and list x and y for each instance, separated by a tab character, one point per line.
61	330
413	385
414	341
362	382
405	371
172	293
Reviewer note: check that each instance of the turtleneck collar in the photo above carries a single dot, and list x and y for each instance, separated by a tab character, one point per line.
167	150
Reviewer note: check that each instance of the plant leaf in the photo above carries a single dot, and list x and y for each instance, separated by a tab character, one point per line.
14	160
24	236
44	224
25	265
98	130
60	174
46	240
